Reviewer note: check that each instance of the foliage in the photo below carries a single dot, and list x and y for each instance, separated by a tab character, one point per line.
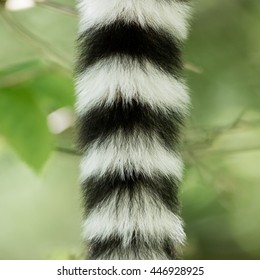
221	147
29	91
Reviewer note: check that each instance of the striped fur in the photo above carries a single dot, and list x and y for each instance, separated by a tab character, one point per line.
131	106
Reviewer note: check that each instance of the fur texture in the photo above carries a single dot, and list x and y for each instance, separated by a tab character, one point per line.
131	106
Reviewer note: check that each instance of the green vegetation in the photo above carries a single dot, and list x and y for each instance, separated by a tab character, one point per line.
39	193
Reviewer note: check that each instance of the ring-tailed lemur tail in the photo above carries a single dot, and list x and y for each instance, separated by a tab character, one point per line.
131	103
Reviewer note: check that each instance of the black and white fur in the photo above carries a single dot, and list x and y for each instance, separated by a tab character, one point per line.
131	105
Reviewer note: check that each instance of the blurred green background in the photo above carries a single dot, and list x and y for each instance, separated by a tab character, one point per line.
40	207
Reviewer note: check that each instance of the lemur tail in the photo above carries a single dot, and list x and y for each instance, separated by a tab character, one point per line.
131	104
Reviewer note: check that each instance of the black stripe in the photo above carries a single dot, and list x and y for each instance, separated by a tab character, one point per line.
102	121
161	188
138	249
121	38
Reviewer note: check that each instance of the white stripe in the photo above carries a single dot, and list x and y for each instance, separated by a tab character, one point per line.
142	214
169	15
138	155
144	83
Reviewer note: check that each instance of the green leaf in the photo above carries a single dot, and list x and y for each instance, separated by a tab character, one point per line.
53	89
24	126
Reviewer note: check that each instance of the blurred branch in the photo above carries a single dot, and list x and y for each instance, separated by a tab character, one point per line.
36	42
68	151
13	79
229	151
191	151
213	134
195	149
221	129
216	151
209	178
193	68
57	7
